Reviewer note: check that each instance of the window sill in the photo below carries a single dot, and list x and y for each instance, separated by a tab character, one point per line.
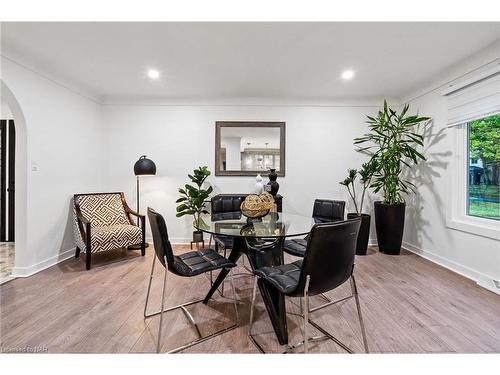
474	225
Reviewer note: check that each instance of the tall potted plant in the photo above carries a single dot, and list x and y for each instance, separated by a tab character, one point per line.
365	173
192	199
392	143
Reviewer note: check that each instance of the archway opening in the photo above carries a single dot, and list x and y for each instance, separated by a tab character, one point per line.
13	208
7	191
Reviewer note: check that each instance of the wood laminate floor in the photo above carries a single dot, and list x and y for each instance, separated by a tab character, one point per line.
410	305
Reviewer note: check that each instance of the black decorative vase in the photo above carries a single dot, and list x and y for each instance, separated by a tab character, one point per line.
274	186
197	236
364	232
389	223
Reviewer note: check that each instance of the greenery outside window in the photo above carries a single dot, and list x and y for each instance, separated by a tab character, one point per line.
483	184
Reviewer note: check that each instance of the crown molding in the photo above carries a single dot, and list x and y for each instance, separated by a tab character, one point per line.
249	102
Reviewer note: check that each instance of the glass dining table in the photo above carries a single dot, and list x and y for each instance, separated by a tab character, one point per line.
261	241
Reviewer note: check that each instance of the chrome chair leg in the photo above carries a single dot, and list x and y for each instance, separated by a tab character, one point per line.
306	312
252	305
252	309
235	303
209	245
358	307
149	287
162	303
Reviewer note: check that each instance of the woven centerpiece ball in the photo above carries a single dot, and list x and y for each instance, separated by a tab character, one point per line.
256	206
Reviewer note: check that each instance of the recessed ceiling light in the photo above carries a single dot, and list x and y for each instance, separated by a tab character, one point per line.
347	74
153	74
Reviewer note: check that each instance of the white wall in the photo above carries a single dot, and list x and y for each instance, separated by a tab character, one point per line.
180	138
5	112
61	131
426	233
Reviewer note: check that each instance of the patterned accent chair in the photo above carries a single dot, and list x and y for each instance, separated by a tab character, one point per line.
102	222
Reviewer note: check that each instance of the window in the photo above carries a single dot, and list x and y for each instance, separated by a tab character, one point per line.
472	175
484	168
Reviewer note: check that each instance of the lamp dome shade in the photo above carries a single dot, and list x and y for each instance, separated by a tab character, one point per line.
144	166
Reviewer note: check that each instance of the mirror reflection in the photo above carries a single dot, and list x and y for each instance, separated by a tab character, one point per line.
249	148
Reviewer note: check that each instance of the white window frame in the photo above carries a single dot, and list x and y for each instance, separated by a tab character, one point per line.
457	217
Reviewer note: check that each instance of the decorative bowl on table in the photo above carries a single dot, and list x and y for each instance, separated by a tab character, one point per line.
257	206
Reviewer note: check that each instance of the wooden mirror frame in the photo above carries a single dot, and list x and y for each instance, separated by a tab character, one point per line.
247	124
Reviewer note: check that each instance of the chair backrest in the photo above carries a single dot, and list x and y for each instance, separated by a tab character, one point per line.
329	256
102	209
325	210
160	238
223	204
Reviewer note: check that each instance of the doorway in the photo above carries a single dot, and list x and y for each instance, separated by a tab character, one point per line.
7	197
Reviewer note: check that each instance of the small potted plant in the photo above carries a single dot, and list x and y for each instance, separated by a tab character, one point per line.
365	173
193	200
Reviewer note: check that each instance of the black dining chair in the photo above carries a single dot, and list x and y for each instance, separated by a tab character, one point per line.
189	264
327	264
225	207
324	211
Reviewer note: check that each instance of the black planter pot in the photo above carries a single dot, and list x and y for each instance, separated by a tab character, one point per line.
389	223
364	232
197	236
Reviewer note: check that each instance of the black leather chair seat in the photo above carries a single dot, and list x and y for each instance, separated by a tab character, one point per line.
284	277
199	261
296	247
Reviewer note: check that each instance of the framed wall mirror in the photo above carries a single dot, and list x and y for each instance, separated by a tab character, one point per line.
249	148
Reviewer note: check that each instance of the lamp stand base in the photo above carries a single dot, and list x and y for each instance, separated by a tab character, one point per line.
137	247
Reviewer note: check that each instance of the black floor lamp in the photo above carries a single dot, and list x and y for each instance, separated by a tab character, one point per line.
143	167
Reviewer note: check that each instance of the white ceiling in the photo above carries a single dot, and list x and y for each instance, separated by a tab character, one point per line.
245	60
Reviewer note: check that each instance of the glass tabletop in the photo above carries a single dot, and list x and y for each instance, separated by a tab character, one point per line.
273	225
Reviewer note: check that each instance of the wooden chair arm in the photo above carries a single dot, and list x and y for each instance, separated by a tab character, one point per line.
80	217
84	227
131	212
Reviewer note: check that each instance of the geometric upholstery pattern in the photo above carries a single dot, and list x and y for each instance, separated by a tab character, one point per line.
111	227
103	209
114	237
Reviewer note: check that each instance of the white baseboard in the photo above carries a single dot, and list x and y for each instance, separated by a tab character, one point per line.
481	279
49	262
